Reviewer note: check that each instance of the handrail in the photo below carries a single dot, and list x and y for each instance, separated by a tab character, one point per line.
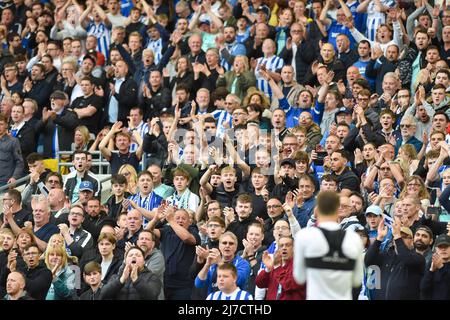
15	184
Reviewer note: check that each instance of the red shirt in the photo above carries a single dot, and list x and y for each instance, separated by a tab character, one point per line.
283	275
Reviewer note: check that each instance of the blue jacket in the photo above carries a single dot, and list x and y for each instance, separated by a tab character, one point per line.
303	214
413	140
243	273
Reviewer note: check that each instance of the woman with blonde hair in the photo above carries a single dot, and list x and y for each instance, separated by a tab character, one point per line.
407	158
130	174
63	284
57	240
81	139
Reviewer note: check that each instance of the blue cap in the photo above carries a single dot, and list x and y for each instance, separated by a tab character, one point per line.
86	185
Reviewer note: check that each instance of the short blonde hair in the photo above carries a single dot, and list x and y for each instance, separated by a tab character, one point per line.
60	251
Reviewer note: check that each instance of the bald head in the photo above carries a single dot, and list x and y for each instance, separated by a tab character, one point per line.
15	284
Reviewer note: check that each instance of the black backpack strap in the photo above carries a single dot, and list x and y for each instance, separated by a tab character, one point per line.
335	258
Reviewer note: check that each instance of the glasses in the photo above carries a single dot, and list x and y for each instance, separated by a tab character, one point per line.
227	243
407	126
281	228
413	185
275	206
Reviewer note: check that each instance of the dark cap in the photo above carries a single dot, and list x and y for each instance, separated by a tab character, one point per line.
58	95
288	161
265	9
90	57
340	111
442	239
343	110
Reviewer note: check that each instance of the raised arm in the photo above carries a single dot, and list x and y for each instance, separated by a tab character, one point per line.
362	7
433	173
180	231
195	18
323	15
117	127
346	10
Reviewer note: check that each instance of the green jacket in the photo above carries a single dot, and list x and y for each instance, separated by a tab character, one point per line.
244	81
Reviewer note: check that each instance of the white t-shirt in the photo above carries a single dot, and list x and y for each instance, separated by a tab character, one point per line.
324	284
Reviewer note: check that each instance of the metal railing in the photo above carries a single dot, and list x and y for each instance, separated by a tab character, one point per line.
100	162
16	184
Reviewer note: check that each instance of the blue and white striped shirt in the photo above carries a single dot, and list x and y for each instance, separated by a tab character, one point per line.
102	33
375	18
142	129
150	202
273	64
234	49
221	116
237	294
156	47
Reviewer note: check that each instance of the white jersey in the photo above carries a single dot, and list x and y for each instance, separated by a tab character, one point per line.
273	64
375	17
237	294
327	284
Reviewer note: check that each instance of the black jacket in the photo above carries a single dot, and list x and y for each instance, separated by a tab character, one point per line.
146	287
354	139
127	99
400	273
377	71
436	285
38	281
304	57
337	66
239	228
66	124
161	100
71	182
156	147
26	137
40	92
89	295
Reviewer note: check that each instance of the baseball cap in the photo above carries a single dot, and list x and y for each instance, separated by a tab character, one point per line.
343	110
90	57
86	185
374	209
287	161
58	95
442	239
205	22
265	9
407	231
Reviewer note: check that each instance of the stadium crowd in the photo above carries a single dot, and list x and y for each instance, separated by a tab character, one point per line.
218	123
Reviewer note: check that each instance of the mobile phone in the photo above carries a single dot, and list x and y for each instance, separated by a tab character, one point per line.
321	154
432	210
